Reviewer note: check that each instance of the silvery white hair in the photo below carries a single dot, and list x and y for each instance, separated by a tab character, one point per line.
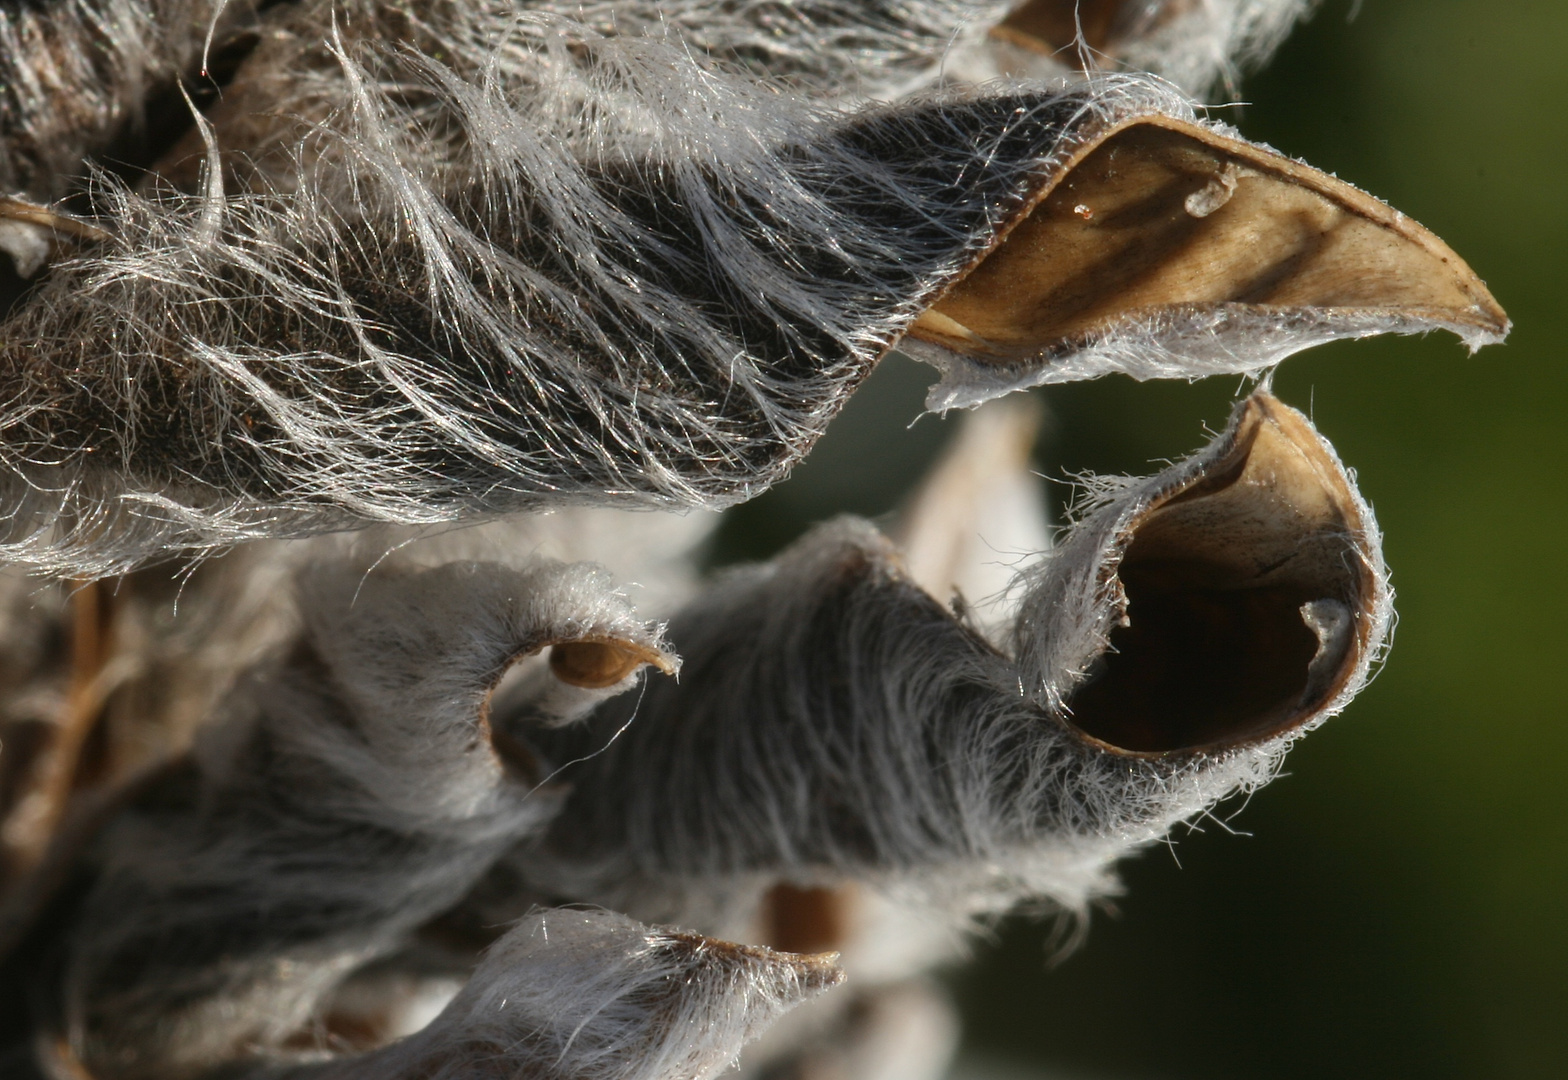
417	759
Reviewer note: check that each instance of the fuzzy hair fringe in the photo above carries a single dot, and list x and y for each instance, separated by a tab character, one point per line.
642	283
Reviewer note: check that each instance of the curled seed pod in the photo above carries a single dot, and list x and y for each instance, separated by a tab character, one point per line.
834	721
641	283
354	789
1246	592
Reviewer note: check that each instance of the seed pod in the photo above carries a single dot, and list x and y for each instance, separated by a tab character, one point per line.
663	307
1161	247
834	722
584	995
579	995
353	789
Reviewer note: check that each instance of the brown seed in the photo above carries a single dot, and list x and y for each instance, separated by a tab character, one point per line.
808	919
595	664
1163	218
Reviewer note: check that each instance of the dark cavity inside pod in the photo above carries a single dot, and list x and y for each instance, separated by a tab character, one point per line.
1248	594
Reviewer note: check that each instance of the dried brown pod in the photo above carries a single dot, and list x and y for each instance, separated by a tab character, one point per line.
1160	236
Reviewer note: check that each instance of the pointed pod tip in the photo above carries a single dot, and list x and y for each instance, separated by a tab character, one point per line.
809	973
1190	239
818	972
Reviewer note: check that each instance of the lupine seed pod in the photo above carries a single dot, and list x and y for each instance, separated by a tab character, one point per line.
663	305
588	995
576	995
431	261
834	722
1163	248
353	789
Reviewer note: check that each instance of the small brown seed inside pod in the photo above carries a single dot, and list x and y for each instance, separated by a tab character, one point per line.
1250	598
802	919
1163	219
595	664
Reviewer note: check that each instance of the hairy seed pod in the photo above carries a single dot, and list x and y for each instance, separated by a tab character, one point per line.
834	722
426	263
662	307
353	789
588	995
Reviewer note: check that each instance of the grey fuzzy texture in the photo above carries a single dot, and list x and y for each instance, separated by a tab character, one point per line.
834	722
831	722
590	995
661	306
432	264
349	793
75	76
553	268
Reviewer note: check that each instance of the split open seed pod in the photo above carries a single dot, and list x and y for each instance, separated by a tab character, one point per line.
596	996
1160	659
1240	595
1162	247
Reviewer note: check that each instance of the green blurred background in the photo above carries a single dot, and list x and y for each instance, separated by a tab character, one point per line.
1396	907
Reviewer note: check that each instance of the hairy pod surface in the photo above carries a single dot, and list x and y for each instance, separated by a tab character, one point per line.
662	307
589	995
353	789
835	722
430	263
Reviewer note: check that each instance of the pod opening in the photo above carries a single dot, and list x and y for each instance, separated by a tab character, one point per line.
1246	600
